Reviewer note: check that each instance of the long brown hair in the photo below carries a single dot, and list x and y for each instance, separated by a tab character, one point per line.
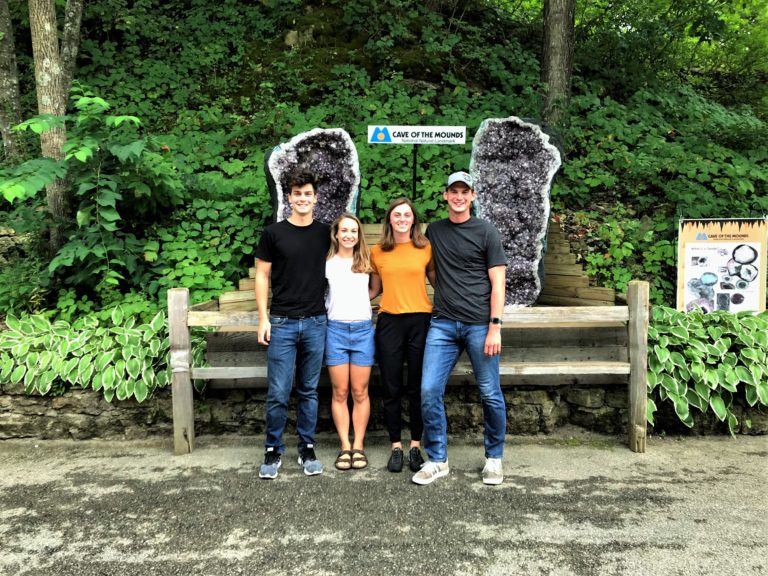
387	241
361	255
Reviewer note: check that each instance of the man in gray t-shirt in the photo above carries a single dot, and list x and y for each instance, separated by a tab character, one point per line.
469	282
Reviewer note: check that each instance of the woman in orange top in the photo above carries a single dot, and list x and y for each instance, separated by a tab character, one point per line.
400	262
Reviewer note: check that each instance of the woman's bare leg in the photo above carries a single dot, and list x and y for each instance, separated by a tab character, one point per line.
359	377
340	376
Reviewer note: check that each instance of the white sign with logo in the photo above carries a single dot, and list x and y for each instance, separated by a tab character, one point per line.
417	134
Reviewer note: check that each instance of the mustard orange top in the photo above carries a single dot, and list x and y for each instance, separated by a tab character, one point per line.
403	273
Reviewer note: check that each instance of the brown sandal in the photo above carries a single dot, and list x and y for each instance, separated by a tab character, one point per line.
344	460
359	459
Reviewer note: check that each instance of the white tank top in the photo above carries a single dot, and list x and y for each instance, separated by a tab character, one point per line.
347	298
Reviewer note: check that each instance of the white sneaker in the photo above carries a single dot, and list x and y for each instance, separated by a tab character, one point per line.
493	473
430	472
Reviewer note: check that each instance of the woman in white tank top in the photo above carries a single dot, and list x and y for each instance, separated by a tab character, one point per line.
349	347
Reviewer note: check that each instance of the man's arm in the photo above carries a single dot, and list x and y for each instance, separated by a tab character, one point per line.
497	275
263	269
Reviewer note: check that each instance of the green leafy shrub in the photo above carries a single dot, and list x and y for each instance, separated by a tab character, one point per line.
617	247
668	152
157	58
206	247
119	358
706	361
70	306
23	279
121	181
635	167
23	285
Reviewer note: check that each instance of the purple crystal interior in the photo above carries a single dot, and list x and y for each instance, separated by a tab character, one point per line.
330	154
512	165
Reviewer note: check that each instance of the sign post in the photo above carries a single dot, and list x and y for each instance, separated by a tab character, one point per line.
416	135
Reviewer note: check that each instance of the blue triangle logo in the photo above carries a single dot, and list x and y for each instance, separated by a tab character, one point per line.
381	135
702	236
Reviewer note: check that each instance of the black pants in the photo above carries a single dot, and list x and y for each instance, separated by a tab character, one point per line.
400	338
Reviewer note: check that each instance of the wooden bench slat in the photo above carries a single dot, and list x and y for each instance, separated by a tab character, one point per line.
570	368
227	372
554	300
461	369
507	380
550	368
555	315
230	318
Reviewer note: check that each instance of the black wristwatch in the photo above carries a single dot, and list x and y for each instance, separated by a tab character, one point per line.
496	320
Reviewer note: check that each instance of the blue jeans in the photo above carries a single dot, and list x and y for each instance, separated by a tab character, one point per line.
305	339
446	340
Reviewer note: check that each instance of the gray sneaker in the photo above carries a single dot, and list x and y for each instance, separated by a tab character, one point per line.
272	462
493	473
430	472
309	461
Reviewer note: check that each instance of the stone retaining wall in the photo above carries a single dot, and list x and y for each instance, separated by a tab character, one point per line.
82	414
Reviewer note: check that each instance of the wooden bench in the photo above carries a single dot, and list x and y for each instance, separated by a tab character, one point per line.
549	346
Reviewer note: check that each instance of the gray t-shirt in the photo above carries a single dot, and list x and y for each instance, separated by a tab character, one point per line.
463	255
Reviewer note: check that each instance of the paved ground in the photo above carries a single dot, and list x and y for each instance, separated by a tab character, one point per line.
578	505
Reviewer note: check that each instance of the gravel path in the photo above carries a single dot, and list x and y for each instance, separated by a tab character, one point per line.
570	505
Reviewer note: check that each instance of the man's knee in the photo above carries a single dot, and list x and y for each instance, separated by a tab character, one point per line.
431	391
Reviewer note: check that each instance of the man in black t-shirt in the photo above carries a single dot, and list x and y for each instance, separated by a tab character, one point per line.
469	282
292	252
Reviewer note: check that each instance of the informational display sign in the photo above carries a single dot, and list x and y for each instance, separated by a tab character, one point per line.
722	264
417	134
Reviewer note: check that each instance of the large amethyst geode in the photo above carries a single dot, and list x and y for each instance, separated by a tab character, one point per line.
512	166
331	156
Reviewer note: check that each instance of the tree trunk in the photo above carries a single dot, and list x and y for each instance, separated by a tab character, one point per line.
557	58
53	79
10	101
70	42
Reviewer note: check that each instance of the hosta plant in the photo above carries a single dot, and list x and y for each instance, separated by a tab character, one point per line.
120	358
705	361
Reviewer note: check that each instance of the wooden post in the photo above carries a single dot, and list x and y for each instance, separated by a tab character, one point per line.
637	301
181	357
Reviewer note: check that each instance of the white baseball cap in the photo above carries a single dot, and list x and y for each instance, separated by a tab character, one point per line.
459	177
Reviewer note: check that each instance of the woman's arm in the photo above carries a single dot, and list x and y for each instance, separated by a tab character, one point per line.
430	271
374	286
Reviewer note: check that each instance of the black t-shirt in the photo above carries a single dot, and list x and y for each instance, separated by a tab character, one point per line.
297	254
463	255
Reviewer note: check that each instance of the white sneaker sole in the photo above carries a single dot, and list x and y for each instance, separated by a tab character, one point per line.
493	481
425	481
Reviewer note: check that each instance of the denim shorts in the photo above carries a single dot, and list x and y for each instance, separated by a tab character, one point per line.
349	343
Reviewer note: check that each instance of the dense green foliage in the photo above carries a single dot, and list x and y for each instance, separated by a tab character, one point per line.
176	103
719	47
706	361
